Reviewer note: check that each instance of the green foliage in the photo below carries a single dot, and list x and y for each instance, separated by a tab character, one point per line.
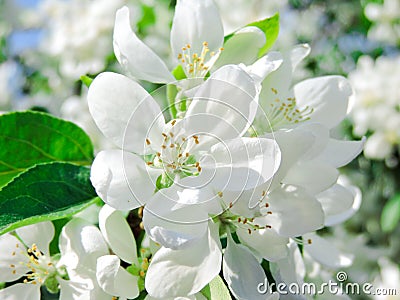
36	83
391	214
86	80
164	181
44	192
148	18
29	138
216	289
270	26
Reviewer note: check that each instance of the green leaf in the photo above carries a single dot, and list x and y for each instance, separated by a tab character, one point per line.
45	192
148	18
179	73
164	181
29	138
216	289
391	214
86	80
172	91
270	26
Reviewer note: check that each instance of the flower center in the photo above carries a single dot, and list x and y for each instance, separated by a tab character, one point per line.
194	64
174	156
234	221
285	112
41	267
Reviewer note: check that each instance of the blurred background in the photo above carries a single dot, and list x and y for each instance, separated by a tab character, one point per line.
47	45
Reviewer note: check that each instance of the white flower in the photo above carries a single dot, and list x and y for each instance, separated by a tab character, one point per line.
384	16
375	105
197	38
28	256
112	278
77	34
220	112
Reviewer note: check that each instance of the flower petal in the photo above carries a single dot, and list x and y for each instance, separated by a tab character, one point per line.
172	221
273	85
242	271
40	234
122	179
293	145
328	96
290	269
194	23
335	200
294	211
124	112
257	159
265	66
174	273
135	56
325	252
331	220
314	176
242	47
224	106
114	279
265	242
10	258
21	291
339	153
80	245
118	234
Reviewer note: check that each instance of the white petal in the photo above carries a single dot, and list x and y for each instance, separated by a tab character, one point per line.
328	96
10	258
73	289
194	23
277	84
298	53
114	279
242	271
321	134
339	153
174	273
265	65
224	106
124	111
294	211
291	269
293	145
344	215
40	234
118	234
135	56
80	245
242	47
21	291
255	159
314	176
173	223
335	200
377	146
266	242
325	252
122	179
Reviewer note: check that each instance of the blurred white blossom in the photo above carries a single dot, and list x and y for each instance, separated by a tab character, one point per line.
376	104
